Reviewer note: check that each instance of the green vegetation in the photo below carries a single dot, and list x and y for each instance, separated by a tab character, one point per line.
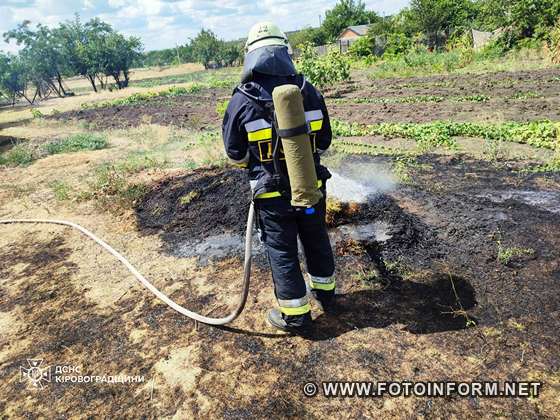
221	78
412	99
113	185
19	155
211	148
146	96
221	107
360	148
23	154
344	13
35	113
205	48
323	71
540	134
113	188
77	142
62	191
507	255
553	44
525	95
403	160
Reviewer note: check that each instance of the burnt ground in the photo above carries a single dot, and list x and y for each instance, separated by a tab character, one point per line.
432	302
198	204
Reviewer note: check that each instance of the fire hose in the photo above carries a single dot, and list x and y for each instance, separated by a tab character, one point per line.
291	126
175	306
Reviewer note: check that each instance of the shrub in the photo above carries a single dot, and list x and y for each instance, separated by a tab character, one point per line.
77	142
326	70
61	190
113	189
362	47
397	45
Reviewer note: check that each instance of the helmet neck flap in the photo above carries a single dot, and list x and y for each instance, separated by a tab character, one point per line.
269	60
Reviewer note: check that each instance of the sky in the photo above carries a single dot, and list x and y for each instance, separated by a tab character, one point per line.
166	23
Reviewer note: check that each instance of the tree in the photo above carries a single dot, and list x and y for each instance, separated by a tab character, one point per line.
119	54
521	18
13	77
323	71
346	13
83	47
41	54
437	17
206	47
230	53
313	36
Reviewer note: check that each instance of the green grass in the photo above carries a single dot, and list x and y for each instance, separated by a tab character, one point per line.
77	142
62	191
19	155
113	189
145	96
525	95
113	186
23	154
540	134
221	107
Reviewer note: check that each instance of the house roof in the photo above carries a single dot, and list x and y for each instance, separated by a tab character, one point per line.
360	30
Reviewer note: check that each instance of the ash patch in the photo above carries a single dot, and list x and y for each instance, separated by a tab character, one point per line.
544	200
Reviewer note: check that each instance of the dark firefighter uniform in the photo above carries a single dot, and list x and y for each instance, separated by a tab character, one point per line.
249	140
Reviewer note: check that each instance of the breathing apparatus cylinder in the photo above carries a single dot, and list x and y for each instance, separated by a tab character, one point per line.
293	130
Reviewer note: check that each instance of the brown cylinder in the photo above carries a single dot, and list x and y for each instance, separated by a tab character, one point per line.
288	105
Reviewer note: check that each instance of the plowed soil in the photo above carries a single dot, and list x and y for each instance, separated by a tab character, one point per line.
507	93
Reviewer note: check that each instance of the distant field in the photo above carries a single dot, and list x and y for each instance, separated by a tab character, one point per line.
80	84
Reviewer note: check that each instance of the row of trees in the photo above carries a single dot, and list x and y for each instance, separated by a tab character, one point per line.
206	48
437	21
92	49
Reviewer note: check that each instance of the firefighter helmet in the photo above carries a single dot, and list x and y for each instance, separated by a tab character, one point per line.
265	34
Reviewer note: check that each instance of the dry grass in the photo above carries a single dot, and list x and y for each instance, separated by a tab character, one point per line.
142	74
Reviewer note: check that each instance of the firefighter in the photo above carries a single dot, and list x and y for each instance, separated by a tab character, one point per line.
251	142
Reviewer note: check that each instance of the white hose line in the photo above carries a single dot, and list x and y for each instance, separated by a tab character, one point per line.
150	286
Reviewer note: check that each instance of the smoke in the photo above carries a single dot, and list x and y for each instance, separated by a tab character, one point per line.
358	181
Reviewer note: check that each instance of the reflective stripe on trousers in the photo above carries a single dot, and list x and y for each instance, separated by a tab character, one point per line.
294	306
322	283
